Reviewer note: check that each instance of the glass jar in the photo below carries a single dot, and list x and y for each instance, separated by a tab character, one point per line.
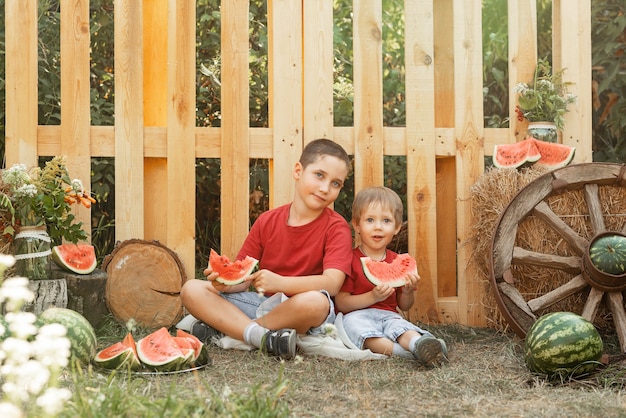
32	252
543	131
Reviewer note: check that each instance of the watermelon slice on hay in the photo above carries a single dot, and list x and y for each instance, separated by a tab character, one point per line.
231	272
393	274
532	151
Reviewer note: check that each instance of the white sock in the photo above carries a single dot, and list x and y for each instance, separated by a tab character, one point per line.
253	334
413	341
398	351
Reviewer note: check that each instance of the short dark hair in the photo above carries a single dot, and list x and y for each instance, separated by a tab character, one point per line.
320	147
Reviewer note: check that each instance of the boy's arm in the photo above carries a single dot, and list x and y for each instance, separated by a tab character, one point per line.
330	280
347	302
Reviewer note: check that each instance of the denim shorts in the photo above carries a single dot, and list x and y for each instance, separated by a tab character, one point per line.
371	323
249	302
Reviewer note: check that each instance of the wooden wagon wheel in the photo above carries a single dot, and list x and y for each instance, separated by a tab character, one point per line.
583	279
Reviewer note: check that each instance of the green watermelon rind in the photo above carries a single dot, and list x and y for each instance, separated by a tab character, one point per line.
121	360
398	280
562	343
80	332
60	260
603	260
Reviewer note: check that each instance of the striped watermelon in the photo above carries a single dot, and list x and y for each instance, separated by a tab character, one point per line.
563	343
79	331
122	354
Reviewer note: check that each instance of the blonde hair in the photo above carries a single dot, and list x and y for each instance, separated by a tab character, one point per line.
384	196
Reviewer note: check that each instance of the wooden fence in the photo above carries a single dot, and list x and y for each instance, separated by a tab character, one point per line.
155	141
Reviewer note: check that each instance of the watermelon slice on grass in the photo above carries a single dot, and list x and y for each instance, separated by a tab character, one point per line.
393	274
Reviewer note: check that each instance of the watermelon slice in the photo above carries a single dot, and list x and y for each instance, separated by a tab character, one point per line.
77	258
159	351
119	355
517	154
393	274
554	155
201	354
231	272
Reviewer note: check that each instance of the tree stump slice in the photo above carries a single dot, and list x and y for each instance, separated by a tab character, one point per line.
48	294
85	293
144	282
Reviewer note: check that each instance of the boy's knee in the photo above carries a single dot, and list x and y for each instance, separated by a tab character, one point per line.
315	302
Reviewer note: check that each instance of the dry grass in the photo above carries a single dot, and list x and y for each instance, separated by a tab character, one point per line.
486	377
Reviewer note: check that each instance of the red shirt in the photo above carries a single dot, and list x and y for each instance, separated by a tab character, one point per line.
356	283
305	250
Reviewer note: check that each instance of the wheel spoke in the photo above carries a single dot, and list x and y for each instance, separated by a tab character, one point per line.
616	302
592	304
522	256
548	299
543	212
595	208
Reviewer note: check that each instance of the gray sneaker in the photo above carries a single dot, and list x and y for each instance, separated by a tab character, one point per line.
204	332
430	351
281	343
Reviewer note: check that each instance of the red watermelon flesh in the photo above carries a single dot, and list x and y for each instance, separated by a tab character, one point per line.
201	355
393	274
159	351
554	155
119	355
515	155
77	258
231	272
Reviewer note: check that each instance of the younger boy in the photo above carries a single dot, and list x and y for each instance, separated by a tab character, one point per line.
303	250
371	319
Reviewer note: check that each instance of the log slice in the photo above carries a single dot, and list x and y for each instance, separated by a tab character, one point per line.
144	282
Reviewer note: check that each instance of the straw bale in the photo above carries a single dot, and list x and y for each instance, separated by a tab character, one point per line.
491	195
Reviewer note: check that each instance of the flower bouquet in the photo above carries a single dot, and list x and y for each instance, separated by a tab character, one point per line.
35	213
546	98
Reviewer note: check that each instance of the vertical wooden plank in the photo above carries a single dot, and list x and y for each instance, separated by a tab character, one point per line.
128	120
444	64
318	70
181	140
155	93
571	29
446	230
20	22
420	157
469	139
75	97
368	94
235	126
522	19
285	62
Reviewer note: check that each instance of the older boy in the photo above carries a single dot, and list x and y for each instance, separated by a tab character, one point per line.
303	250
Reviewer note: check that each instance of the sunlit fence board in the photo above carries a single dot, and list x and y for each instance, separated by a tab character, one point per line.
444	140
75	95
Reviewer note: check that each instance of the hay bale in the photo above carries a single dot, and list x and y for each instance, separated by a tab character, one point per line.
491	195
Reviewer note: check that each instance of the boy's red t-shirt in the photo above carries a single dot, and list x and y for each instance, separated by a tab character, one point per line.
356	283
303	250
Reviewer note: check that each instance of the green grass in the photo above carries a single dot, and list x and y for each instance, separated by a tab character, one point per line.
486	377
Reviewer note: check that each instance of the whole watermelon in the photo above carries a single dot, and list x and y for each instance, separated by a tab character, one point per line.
79	331
563	343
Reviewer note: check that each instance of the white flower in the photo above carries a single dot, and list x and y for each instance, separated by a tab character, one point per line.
329	329
22	324
15	292
16	175
53	399
32	376
51	347
7	260
17	351
8	410
26	190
